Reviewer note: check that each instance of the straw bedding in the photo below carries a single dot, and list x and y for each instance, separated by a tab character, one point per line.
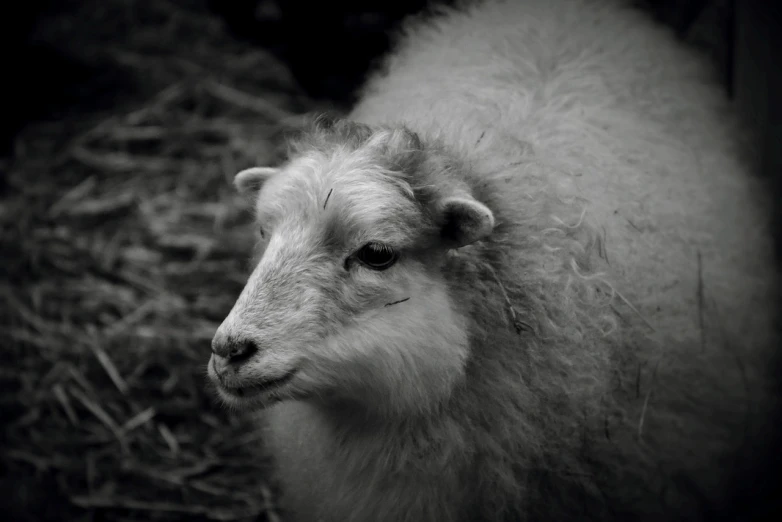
124	247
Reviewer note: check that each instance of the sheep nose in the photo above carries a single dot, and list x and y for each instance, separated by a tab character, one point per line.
233	350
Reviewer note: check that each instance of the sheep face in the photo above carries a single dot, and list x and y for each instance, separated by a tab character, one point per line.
348	300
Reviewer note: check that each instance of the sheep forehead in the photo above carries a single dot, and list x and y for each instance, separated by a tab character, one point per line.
348	191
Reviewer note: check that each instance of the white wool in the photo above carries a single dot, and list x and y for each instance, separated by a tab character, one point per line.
588	109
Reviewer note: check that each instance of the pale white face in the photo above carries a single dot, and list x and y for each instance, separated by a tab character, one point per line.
347	300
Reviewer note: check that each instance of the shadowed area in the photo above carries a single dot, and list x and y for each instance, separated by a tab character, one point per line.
123	247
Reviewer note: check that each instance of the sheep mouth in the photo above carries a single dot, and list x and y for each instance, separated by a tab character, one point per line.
257	388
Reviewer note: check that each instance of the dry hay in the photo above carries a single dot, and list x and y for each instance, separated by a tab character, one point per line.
124	246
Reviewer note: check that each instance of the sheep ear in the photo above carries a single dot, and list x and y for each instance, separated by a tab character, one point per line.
465	220
251	180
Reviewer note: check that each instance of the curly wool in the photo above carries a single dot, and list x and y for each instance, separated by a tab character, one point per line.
620	316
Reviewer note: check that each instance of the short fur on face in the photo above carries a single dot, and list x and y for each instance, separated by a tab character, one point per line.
349	331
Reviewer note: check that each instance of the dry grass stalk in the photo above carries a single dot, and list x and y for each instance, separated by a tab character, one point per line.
124	246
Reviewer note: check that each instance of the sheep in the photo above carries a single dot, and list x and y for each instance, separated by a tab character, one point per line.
528	277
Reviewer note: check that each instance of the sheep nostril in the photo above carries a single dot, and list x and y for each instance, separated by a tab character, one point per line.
232	350
241	351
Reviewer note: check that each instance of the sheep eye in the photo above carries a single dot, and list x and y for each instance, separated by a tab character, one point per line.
377	256
262	232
